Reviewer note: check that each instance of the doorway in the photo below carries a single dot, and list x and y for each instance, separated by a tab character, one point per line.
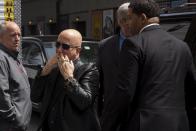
81	27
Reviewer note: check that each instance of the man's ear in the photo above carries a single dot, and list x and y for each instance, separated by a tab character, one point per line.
144	18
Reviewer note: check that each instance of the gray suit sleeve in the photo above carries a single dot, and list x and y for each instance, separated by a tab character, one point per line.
6	108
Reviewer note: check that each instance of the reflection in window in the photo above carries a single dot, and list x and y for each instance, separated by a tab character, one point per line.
178	29
50	49
31	54
89	52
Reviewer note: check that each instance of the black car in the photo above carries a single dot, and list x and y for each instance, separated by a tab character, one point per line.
37	50
183	26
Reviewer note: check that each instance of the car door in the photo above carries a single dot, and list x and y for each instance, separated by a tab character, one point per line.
190	38
184	27
33	58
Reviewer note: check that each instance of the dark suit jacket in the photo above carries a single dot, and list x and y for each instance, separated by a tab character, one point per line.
153	69
108	56
108	65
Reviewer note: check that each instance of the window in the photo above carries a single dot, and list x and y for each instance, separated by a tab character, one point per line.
50	49
89	52
31	54
178	29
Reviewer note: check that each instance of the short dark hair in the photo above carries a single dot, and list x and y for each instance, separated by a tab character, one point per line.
149	7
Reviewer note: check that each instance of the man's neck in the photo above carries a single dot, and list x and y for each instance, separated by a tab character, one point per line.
150	22
153	20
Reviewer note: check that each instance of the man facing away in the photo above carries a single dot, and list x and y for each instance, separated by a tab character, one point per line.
153	69
70	88
15	103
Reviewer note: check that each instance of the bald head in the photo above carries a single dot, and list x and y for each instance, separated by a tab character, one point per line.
7	25
124	19
71	36
10	35
73	39
122	12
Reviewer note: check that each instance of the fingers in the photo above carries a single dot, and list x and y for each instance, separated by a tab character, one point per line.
53	60
66	58
71	62
62	57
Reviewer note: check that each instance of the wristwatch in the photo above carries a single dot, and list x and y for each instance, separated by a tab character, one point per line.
69	80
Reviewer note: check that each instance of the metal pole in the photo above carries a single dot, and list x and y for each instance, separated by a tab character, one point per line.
17	12
17	19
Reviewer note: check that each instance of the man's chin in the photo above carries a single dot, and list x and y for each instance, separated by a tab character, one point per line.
15	49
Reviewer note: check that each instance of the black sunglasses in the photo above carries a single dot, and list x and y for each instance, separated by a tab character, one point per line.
65	46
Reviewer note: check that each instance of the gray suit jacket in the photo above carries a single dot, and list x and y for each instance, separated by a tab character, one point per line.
15	102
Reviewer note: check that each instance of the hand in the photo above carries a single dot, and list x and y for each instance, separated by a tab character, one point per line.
53	60
49	66
66	66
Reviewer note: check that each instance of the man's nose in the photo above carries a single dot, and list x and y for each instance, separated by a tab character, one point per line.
17	37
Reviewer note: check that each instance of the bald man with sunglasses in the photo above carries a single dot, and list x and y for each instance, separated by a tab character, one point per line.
69	88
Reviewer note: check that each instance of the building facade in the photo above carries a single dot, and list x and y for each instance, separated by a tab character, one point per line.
93	18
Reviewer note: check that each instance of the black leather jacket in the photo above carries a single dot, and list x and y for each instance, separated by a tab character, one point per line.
70	105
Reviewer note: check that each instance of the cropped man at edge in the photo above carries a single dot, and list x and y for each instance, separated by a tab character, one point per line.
70	88
15	103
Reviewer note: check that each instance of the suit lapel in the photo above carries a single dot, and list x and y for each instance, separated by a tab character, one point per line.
116	50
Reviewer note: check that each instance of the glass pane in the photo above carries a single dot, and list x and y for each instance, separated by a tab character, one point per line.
89	52
31	53
178	29
25	50
50	49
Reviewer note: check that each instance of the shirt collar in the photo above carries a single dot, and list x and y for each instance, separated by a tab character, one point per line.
11	53
147	27
122	36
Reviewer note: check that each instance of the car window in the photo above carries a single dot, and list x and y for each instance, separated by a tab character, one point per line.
50	49
89	52
178	29
31	53
191	38
183	27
